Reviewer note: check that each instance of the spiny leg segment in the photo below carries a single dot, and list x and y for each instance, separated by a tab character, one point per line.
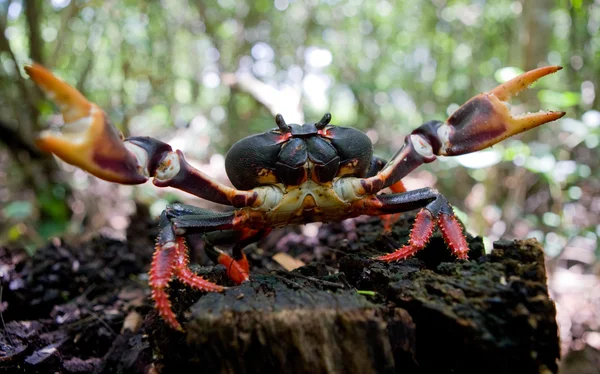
435	210
238	268
171	259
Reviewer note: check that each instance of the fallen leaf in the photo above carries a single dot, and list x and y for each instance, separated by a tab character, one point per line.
287	262
132	322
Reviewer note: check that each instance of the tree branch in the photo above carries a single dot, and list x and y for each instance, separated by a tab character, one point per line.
70	12
287	101
32	12
26	93
11	137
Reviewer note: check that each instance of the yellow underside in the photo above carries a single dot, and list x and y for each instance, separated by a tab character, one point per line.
309	202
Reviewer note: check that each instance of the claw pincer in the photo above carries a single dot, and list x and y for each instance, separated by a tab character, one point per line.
481	122
87	138
486	120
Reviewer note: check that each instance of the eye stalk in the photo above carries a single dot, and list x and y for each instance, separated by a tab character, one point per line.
324	121
284	127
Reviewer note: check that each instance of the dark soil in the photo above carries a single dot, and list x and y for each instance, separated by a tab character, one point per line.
86	308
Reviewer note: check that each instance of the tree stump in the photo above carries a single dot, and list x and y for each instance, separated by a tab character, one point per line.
86	308
346	313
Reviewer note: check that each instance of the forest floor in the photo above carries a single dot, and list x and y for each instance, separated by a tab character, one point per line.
86	307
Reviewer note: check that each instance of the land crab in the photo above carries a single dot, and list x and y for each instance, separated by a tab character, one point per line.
292	174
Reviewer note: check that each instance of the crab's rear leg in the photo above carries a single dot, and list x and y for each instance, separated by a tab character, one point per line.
435	211
88	140
480	123
238	268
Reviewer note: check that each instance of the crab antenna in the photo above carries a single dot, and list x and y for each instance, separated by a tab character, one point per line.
284	127
324	121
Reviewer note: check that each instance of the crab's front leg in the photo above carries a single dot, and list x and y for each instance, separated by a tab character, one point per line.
481	122
89	140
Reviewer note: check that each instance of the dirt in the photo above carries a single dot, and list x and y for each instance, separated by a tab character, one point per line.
86	307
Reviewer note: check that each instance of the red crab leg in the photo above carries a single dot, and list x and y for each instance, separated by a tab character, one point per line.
419	236
186	276
88	140
481	122
161	272
188	219
238	268
436	211
171	259
171	255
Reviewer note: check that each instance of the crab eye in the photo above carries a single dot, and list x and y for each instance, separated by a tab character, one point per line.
284	127
323	122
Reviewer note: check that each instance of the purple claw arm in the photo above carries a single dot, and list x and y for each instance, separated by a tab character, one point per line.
481	122
89	141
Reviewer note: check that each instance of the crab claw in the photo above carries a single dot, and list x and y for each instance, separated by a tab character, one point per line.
87	139
486	120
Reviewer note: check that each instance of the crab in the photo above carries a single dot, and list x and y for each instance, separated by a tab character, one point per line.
291	174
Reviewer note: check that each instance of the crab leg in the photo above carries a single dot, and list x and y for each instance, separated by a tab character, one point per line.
187	219
171	258
238	268
88	140
377	163
480	123
435	211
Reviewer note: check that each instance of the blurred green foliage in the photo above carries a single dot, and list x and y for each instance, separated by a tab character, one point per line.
385	67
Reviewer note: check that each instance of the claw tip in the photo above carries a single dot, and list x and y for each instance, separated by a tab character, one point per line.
556	115
552	68
33	68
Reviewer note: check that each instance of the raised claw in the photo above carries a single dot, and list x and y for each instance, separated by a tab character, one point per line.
87	139
485	119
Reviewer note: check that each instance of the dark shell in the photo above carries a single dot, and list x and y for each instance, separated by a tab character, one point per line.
277	157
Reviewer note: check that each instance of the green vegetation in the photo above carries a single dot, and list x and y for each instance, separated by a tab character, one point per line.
208	75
